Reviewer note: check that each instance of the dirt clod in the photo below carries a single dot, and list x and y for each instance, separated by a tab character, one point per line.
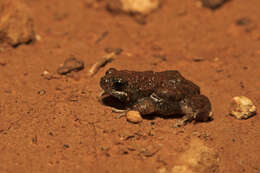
66	146
243	21
242	107
70	64
134	117
3	62
198	59
16	23
49	76
213	4
149	151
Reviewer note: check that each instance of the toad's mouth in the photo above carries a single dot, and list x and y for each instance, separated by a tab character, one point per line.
120	95
115	99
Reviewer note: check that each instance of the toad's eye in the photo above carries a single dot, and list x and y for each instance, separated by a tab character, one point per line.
110	71
119	86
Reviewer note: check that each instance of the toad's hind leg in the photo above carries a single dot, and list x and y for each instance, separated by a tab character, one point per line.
196	108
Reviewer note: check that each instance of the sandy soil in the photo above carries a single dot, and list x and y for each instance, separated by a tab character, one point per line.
58	125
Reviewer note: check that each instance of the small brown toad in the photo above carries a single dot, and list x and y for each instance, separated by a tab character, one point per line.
163	93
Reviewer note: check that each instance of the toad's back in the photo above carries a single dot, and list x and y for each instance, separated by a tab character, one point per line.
149	82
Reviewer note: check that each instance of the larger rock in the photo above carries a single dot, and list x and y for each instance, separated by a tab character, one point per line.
16	24
242	107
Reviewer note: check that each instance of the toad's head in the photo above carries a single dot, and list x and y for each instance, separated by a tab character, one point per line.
114	84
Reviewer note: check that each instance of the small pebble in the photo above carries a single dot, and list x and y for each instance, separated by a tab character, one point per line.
38	37
198	59
213	4
242	107
41	92
134	117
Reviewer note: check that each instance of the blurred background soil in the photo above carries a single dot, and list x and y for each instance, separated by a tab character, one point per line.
56	123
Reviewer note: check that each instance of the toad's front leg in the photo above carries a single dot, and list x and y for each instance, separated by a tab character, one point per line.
144	106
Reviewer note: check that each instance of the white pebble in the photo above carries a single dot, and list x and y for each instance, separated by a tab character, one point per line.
134	117
38	37
45	72
242	107
143	7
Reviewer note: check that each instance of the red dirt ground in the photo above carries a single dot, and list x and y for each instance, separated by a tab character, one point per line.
59	125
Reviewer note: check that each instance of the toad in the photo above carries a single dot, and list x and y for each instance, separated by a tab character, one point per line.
165	93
